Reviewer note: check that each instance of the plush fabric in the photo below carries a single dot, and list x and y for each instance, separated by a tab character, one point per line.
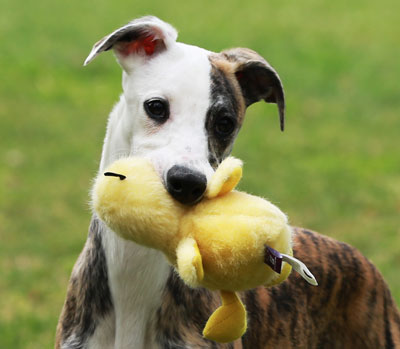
218	243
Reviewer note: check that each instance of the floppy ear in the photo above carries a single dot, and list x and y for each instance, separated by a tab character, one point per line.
257	79
144	36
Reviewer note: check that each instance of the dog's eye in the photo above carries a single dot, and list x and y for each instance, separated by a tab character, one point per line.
157	109
224	126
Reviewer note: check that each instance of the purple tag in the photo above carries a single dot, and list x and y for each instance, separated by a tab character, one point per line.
273	259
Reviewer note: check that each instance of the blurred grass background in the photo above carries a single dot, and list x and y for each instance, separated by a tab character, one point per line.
336	168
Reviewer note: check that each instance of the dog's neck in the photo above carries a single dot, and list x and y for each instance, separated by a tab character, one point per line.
137	274
137	277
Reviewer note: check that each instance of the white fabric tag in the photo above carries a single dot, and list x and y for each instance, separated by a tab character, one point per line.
301	268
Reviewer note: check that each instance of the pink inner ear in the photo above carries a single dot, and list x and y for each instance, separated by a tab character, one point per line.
147	44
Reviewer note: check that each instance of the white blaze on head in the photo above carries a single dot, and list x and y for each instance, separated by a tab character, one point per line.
181	76
178	73
207	94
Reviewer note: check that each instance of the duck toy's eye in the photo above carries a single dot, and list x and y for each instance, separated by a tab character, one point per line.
112	174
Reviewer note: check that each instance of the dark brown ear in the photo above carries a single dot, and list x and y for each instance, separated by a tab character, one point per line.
257	79
144	36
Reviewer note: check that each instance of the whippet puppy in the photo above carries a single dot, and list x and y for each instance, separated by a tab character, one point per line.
182	107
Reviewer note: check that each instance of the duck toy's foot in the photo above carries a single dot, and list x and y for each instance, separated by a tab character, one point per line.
228	322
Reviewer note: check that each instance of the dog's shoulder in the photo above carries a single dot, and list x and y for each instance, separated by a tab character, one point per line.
88	295
351	307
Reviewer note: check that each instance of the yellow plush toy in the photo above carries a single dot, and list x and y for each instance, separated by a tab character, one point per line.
228	242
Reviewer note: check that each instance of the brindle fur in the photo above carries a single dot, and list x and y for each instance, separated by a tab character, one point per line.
88	295
226	101
351	308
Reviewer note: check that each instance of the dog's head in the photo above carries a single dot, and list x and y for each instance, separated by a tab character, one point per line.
182	106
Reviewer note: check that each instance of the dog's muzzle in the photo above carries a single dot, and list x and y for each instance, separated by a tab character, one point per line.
185	184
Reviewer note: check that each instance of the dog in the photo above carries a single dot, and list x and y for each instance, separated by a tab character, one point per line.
182	107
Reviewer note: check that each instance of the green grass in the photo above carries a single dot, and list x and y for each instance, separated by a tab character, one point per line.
336	168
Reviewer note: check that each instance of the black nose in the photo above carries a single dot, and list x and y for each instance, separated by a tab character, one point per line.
186	185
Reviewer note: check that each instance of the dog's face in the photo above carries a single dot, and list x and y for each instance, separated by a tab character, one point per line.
183	105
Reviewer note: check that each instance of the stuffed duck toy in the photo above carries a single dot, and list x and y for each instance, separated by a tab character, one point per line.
231	241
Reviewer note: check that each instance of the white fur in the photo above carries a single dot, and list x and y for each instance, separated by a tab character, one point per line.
182	76
137	275
104	334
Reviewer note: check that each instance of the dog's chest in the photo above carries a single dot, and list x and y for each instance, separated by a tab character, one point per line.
137	278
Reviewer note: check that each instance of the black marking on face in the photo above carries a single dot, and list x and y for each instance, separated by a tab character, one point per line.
88	297
224	117
257	79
